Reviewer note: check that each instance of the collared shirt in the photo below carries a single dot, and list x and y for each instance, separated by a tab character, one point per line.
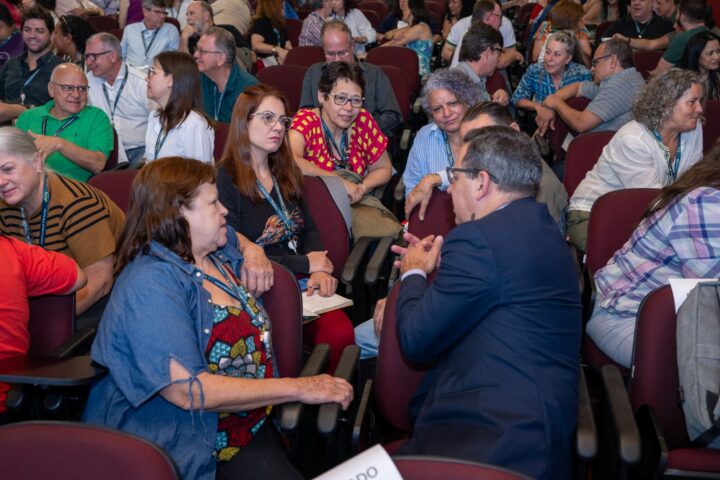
676	48
476	79
536	84
192	138
219	105
613	98
91	131
133	47
458	31
359	26
133	107
16	72
427	155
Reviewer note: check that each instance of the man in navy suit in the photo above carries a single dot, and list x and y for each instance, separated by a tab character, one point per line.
501	321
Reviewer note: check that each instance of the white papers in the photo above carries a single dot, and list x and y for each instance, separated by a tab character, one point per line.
373	463
681	288
317	304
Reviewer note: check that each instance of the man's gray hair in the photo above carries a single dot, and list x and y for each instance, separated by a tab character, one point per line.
156	3
17	143
455	81
510	158
205	7
108	40
224	42
566	39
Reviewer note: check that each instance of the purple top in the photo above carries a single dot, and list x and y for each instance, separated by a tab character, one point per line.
12	47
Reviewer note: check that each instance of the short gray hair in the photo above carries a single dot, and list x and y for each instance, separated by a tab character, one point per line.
224	42
108	40
156	3
566	39
509	157
17	143
205	7
656	101
452	80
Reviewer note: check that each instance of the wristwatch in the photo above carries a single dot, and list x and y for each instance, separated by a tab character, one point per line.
274	50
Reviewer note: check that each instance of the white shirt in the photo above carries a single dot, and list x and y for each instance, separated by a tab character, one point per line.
133	107
458	31
192	138
359	26
64	7
633	159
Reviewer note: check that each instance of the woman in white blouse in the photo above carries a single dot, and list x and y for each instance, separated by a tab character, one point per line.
179	127
362	32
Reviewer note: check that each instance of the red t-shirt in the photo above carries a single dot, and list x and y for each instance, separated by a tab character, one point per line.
27	271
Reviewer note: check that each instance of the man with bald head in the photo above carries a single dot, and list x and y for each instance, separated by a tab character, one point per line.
73	138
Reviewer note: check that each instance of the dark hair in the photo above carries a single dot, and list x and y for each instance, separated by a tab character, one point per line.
622	9
566	15
466	9
482	8
499	114
5	16
158	191
621	50
185	94
49	5
236	158
332	72
78	28
479	38
39	13
419	12
694	48
349	5
705	173
272	10
696	11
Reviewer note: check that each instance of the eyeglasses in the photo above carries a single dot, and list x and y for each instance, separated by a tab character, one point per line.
597	60
203	52
271	119
81	89
156	12
340	54
93	56
342	100
473	172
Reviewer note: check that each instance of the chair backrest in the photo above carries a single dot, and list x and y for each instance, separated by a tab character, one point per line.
284	307
402	57
377	6
117	184
557	136
52	322
654	378
600	30
522	19
305	56
401	88
112	160
438	8
495	82
222	130
287	78
582	155
118	32
439	216
77	451
711	128
646	60
103	23
421	467
293	28
396	380
174	22
373	17
613	219
329	222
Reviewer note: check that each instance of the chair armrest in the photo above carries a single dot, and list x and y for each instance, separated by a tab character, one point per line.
623	420
372	270
399	192
354	260
361	417
290	413
654	447
328	412
78	343
586	437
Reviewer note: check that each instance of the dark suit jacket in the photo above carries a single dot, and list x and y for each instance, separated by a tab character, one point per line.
502	321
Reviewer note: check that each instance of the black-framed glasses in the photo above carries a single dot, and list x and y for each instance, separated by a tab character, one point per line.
342	100
203	52
271	119
93	56
81	89
473	172
597	60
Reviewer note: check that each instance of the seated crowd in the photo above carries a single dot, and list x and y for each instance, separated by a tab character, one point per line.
174	286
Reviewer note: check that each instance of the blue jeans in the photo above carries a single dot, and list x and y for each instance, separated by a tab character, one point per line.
366	339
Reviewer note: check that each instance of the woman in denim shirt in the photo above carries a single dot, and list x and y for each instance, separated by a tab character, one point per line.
183	340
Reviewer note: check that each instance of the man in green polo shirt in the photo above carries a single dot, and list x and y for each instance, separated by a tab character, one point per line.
691	17
73	138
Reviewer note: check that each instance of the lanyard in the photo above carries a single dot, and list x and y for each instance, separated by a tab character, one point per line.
673	167
448	150
218	102
342	151
277	35
159	142
148	47
281	210
27	82
113	107
60	129
641	32
43	216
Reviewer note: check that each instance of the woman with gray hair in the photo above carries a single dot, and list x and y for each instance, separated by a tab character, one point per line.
664	139
556	71
311	33
446	96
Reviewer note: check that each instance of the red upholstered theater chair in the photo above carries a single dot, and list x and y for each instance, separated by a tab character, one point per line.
653	397
117	184
112	160
288	79
582	155
496	82
557	136
293	28
305	56
711	128
174	22
600	30
646	60
118	32
371	15
377	6
613	219
103	23
398	145
439	216
401	57
76	451
417	467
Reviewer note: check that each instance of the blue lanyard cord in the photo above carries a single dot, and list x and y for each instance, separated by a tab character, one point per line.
673	167
448	150
43	216
217	102
159	142
281	210
148	47
342	151
113	107
60	129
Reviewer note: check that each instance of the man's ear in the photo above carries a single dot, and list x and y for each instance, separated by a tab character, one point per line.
483	185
